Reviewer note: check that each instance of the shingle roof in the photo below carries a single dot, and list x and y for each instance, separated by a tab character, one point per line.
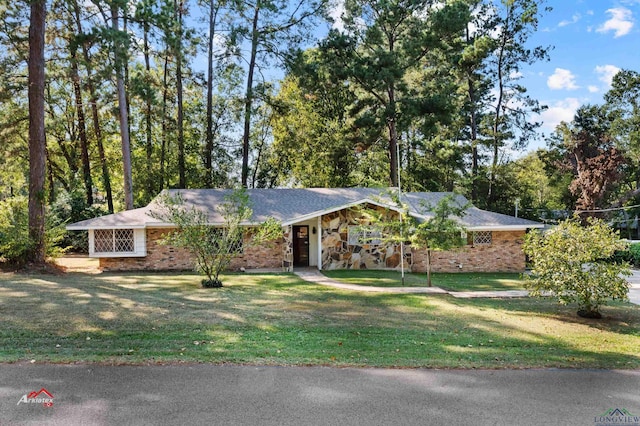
294	205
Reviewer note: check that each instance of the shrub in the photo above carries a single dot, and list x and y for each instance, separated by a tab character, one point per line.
571	261
14	231
630	255
71	207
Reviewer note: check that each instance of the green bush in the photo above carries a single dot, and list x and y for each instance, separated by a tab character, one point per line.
571	262
71	207
634	254
631	255
14	231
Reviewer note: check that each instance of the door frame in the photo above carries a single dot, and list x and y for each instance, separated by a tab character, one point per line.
296	247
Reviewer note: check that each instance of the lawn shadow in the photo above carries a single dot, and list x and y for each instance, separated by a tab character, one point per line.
280	319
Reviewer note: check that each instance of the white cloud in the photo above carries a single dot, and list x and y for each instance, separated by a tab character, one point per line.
574	19
593	89
562	79
562	110
621	22
606	73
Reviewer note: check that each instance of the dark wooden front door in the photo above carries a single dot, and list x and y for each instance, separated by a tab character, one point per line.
300	246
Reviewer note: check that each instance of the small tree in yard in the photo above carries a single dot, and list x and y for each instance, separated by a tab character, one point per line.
571	262
440	232
214	246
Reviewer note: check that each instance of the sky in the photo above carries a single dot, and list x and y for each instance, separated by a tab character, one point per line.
591	40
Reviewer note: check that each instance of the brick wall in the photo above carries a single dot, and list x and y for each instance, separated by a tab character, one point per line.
162	257
504	254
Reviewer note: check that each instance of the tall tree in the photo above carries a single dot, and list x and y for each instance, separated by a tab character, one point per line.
382	43
178	54
37	138
475	84
592	156
82	127
268	26
85	42
623	104
120	41
311	143
214	9
516	21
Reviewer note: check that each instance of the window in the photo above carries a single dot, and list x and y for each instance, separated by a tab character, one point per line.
482	238
358	235
113	241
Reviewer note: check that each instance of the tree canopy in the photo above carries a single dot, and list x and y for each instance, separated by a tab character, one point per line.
143	96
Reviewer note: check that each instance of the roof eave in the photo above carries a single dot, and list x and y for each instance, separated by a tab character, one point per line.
503	227
88	227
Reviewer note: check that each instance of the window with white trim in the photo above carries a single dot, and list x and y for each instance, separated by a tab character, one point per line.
482	238
359	235
113	241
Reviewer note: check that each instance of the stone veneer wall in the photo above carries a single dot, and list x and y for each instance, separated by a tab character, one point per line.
504	254
337	253
164	257
287	249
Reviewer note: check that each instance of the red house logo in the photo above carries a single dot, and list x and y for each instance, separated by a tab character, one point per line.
42	396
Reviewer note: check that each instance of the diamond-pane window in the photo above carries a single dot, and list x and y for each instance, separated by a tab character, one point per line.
123	240
113	241
482	238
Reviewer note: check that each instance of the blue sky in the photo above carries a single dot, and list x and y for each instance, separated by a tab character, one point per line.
591	40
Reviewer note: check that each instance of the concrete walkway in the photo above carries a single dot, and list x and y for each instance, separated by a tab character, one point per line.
634	291
315	276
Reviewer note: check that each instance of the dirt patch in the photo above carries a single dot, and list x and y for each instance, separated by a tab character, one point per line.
79	263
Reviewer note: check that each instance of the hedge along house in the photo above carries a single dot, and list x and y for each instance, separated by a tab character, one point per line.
322	228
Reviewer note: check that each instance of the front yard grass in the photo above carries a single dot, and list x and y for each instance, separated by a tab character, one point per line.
455	282
280	320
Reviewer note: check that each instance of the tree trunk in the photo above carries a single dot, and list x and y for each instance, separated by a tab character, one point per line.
124	117
248	103
473	126
178	54
392	123
497	118
82	130
37	141
165	127
148	123
95	116
393	152
428	268
208	147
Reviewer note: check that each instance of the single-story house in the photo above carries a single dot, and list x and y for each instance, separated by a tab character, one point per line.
322	228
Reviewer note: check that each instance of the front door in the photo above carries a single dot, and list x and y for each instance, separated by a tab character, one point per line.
301	246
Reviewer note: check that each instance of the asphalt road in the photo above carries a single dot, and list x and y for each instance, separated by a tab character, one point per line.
237	395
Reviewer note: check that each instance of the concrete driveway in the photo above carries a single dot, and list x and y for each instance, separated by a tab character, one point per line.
242	395
634	291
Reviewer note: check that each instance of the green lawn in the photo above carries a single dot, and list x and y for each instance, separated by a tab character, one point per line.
280	320
454	282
